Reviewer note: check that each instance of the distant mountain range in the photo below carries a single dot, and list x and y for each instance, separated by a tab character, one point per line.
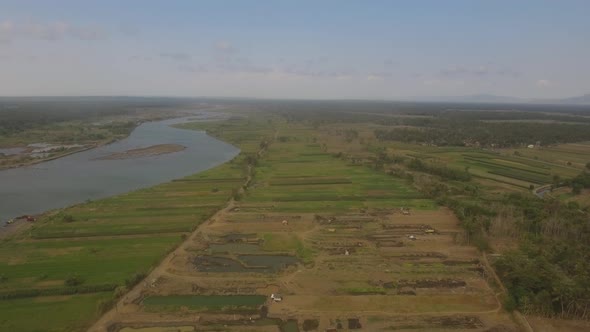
488	98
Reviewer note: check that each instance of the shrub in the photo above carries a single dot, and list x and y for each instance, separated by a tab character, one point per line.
509	303
73	280
105	305
263	311
135	279
67	218
310	324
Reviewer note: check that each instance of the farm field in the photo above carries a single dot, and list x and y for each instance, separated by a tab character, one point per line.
50	313
74	260
344	245
573	155
497	170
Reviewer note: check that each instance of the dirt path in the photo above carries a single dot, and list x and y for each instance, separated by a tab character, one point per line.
521	319
162	269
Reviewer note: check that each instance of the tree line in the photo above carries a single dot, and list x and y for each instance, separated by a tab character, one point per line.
488	134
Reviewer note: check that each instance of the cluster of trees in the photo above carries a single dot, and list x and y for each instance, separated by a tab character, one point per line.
439	170
549	274
447	123
19	114
582	181
488	134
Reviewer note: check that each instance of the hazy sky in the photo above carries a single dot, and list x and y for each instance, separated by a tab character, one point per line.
295	49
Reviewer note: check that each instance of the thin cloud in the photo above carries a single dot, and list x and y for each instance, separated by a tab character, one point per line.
199	69
6	31
53	31
140	58
461	72
508	73
374	78
129	30
225	47
390	62
379	76
87	33
176	56
304	72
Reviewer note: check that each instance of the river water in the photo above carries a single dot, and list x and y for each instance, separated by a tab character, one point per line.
78	177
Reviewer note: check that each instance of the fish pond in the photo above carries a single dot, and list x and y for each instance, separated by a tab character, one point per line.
245	263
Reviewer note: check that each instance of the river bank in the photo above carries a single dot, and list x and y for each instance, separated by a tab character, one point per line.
91	174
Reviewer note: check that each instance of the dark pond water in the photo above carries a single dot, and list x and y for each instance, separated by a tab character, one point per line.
245	263
76	178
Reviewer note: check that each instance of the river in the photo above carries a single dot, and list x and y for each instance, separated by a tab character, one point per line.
81	176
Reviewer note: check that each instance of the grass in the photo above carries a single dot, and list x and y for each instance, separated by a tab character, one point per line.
96	261
280	242
50	314
106	241
296	176
365	290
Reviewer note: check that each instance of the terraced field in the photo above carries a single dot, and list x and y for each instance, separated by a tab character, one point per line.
296	176
497	170
71	264
347	247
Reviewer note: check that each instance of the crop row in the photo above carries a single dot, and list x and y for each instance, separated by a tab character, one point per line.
324	198
54	232
500	181
34	292
308	181
519	176
486	163
528	162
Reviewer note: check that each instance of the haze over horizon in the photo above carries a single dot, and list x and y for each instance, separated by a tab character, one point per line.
303	49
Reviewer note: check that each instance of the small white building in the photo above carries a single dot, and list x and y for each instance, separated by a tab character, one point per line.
276	297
